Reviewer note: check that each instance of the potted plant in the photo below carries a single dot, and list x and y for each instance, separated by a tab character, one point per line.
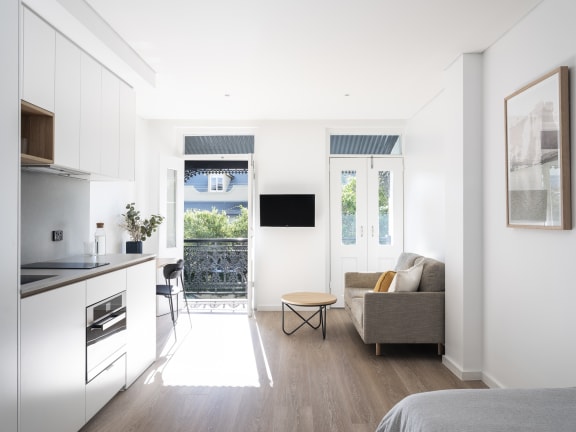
139	229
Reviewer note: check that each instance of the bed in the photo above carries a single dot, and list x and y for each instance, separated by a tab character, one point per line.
484	410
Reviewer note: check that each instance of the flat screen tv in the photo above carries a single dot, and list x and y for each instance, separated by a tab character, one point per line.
287	210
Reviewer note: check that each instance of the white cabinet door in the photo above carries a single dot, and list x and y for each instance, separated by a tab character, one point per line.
127	131
53	360
38	63
110	124
90	114
141	319
67	104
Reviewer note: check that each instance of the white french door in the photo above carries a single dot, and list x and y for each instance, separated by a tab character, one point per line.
366	216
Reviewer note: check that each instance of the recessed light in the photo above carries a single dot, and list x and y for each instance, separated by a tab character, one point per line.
226	94
346	94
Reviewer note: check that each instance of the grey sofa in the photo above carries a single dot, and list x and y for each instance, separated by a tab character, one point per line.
398	317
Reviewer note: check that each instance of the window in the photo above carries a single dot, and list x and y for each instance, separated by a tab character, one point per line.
216	183
171	208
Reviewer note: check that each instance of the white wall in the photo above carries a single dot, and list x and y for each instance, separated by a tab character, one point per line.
9	191
290	156
425	181
529	292
107	203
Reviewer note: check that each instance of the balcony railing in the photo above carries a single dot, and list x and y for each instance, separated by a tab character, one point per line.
215	268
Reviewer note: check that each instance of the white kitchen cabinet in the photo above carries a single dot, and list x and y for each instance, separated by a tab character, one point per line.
90	114
38	61
102	287
94	121
141	319
53	360
104	387
110	144
127	132
67	104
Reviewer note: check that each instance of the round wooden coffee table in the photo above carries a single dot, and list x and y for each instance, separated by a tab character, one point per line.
308	299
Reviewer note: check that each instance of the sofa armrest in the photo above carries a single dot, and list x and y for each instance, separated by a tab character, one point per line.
361	279
403	317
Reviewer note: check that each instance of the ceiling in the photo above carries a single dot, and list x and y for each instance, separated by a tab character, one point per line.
301	59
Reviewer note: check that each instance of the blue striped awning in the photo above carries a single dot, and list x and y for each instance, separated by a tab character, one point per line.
365	144
219	144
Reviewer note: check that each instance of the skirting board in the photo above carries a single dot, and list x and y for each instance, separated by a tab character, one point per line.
470	376
462	375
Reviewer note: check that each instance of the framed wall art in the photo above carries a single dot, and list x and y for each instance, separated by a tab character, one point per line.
538	153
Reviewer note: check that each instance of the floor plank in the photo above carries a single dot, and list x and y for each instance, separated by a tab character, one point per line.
227	372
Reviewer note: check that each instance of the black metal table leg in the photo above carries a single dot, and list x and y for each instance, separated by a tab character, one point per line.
307	299
305	320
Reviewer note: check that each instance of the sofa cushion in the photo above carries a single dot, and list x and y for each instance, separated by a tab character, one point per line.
407	280
432	276
407	260
384	281
352	293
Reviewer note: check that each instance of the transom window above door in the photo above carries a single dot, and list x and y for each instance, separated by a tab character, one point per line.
365	145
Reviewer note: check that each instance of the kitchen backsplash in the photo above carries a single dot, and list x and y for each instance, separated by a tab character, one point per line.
48	203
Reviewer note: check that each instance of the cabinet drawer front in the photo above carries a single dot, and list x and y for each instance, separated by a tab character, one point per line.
101	389
104	286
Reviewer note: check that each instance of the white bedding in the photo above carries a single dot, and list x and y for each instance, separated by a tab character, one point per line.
488	410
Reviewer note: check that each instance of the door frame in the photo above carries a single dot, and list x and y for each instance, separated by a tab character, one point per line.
249	159
337	286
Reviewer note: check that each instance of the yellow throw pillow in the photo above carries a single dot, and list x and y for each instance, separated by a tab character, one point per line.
384	281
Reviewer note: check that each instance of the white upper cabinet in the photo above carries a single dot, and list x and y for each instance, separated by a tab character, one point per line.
110	144
90	114
94	110
67	104
127	131
38	61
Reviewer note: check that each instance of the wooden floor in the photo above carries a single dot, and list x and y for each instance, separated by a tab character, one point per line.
228	372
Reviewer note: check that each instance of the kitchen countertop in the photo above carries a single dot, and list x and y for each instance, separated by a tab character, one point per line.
61	277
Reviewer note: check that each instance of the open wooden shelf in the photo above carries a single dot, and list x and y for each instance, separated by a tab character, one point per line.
38	130
26	159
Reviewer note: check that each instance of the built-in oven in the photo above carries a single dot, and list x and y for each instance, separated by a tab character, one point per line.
105	334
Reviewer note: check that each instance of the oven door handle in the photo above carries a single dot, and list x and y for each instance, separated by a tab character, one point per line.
108	322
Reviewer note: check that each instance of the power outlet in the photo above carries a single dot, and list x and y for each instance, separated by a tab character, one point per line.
57	235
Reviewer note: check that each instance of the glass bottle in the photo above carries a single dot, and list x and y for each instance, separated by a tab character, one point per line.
100	239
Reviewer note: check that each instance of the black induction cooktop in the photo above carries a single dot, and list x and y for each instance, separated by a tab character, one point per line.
63	265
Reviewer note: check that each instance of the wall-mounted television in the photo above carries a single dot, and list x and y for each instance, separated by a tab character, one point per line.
287	210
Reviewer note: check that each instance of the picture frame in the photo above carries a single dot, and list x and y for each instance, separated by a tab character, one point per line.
537	124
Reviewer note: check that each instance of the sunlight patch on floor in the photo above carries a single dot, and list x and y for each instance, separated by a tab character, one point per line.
217	351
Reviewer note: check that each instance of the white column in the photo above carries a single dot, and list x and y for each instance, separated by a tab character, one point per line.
463	138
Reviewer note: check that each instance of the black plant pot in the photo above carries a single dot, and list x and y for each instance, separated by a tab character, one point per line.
134	247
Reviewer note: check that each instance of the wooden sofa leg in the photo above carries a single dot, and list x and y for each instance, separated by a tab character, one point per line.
440	349
378	349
